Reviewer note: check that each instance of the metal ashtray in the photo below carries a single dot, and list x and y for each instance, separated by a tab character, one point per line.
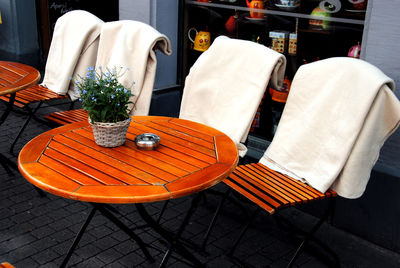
147	141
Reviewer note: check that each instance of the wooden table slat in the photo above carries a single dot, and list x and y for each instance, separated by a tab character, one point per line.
16	76
190	152
200	180
167	128
131	167
188	131
67	171
88	168
48	179
110	156
176	140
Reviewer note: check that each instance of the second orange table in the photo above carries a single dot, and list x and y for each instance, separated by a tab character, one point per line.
14	77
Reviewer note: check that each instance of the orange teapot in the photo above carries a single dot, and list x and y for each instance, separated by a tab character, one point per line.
255	4
202	40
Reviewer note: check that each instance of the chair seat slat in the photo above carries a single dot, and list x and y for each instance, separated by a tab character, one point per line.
232	181
270	189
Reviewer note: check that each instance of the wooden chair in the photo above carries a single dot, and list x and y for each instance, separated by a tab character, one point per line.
24	99
80	45
67	117
273	192
356	131
227	97
141	57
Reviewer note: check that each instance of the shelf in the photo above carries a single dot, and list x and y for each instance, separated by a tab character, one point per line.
277	12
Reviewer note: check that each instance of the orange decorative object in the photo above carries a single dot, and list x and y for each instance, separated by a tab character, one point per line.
67	162
281	94
202	40
255	4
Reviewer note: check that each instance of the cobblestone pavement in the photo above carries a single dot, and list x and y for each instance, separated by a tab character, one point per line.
36	231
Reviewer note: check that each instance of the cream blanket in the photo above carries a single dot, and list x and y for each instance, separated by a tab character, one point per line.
225	86
132	45
338	114
73	48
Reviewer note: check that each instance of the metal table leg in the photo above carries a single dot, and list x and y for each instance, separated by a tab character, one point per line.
173	239
111	217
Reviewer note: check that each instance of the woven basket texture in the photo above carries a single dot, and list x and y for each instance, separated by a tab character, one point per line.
110	134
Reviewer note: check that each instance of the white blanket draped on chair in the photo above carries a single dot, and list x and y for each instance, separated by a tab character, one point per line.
338	114
226	84
132	45
73	49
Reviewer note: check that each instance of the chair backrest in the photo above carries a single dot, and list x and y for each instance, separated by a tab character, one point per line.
225	85
338	114
131	45
73	49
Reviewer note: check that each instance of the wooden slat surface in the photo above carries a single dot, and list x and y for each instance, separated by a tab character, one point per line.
16	76
6	265
272	190
68	117
66	161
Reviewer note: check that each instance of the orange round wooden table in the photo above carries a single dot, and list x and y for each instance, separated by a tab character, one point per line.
67	162
14	77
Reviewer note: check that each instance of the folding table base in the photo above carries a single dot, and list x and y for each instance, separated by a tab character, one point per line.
173	239
116	221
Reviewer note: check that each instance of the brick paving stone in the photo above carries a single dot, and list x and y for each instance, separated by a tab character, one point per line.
109	255
63	223
26	262
20	241
132	260
23	252
91	263
45	256
87	251
62	248
63	235
43	231
106	242
41	221
44	243
125	247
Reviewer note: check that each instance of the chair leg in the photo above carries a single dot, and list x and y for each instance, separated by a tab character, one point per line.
8	109
310	236
214	219
30	115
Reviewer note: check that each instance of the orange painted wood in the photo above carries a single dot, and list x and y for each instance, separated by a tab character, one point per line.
16	76
6	265
270	189
68	117
23	78
67	162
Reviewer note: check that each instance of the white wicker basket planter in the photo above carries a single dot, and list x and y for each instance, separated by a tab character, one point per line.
110	134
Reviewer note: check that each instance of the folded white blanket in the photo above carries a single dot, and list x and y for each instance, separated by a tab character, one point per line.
338	114
225	86
132	45
73	48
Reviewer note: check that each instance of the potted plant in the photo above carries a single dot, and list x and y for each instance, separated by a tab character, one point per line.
106	101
